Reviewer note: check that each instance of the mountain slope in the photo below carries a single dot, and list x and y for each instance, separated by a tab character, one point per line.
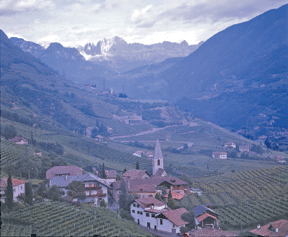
237	75
67	61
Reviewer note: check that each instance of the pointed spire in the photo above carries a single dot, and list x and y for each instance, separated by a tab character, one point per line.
157	151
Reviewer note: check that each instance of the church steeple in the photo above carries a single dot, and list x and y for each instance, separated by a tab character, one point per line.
157	162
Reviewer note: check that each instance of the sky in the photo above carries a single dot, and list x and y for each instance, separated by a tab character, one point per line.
77	22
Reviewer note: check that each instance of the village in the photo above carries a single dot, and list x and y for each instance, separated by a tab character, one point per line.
148	199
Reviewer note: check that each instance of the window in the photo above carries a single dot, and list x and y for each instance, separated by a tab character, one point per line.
134	205
138	212
150	195
133	211
138	205
14	189
153	215
141	213
161	221
158	162
147	214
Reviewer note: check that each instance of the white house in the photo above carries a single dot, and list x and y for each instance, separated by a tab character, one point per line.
219	155
152	213
18	188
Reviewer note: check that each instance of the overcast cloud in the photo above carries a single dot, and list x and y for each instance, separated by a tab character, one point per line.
76	22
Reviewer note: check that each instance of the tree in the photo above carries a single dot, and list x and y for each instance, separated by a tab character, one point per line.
171	203
9	193
28	193
137	166
124	170
157	196
54	193
76	190
9	131
42	190
189	217
103	172
170	194
103	203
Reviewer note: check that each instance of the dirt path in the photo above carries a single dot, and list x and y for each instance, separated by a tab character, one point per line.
154	130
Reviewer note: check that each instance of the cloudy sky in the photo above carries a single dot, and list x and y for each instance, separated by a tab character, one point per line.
76	22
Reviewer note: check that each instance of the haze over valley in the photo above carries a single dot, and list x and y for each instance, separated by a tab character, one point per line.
107	134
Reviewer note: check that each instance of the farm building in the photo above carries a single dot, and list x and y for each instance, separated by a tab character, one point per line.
63	170
18	188
219	155
205	217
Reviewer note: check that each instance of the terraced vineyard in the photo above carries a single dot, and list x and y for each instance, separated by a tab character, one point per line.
11	152
60	219
244	198
15	230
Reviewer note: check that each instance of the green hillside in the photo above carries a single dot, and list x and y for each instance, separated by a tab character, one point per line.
60	219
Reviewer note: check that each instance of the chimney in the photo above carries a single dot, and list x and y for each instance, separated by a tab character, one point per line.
276	229
66	177
128	184
258	226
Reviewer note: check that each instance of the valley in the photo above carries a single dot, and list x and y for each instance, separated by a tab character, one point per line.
202	125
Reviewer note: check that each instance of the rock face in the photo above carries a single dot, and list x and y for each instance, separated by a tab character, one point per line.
120	55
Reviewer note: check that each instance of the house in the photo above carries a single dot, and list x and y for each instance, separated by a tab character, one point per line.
175	184
149	154
204	216
99	138
141	188
63	170
230	145
244	148
19	140
136	174
175	195
219	155
139	153
110	176
276	228
18	188
129	119
96	188
152	213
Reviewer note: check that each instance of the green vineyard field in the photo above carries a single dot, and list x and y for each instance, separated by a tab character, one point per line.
244	198
61	219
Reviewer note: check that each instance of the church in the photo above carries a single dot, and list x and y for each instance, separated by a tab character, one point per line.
157	162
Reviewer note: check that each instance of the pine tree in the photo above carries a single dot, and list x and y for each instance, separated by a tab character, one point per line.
170	194
137	166
158	197
171	203
9	192
28	193
123	195
124	170
103	172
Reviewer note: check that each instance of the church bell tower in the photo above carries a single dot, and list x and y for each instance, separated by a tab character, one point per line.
157	162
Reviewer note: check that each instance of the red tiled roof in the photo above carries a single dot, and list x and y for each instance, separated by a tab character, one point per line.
177	196
150	201
175	216
204	216
135	174
110	174
15	182
270	229
58	170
